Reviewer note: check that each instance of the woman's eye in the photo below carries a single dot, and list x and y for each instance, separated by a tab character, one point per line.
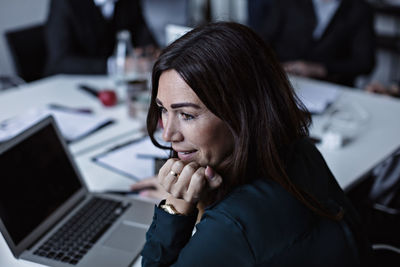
162	110
187	117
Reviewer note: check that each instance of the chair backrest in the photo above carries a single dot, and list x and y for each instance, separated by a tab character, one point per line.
388	257
28	50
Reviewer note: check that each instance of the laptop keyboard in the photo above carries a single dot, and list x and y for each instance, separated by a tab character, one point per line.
74	239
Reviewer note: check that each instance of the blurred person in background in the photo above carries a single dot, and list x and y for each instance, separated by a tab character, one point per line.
256	10
331	40
81	34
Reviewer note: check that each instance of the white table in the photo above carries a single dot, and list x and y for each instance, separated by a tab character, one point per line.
379	139
63	89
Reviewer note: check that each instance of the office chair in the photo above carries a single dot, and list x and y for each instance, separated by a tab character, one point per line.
28	51
377	199
386	257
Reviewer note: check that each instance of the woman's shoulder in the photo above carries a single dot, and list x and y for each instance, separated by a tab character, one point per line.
257	201
264	206
262	209
276	226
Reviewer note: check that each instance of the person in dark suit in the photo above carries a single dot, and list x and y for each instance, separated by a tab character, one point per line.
242	166
256	10
332	40
81	34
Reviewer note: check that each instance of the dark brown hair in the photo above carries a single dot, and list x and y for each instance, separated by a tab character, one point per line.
237	77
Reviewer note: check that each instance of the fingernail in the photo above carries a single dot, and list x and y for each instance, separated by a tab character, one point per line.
143	193
210	173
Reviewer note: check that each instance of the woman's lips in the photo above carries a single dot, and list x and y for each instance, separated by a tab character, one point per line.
186	155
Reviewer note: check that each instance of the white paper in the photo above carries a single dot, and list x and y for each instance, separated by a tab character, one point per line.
316	97
134	159
73	125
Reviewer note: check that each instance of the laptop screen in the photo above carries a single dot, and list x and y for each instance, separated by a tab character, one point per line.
36	178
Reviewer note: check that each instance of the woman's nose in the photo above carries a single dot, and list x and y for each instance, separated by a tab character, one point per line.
171	131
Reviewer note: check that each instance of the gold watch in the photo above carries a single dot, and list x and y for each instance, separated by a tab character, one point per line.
170	209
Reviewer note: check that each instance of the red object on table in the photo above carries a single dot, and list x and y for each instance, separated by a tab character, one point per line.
107	97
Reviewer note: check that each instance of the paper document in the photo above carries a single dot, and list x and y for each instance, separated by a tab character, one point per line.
135	159
316	97
73	125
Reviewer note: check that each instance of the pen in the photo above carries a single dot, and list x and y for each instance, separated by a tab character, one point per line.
89	90
116	147
130	192
69	109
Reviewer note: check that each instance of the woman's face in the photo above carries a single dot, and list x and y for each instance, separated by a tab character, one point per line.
195	133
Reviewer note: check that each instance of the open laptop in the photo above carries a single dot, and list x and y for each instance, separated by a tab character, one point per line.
47	214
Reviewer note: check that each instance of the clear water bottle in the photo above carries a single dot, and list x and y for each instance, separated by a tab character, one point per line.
121	65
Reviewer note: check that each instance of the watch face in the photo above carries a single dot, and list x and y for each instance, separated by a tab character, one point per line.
169	208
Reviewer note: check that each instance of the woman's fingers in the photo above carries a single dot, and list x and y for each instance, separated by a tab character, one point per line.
196	186
179	189
214	180
195	181
188	182
165	173
168	176
166	167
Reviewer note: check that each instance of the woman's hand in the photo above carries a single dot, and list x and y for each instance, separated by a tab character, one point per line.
150	187
186	184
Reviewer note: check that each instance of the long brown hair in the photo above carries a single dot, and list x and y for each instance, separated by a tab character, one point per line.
237	77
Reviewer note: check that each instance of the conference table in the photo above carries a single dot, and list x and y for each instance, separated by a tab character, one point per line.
376	138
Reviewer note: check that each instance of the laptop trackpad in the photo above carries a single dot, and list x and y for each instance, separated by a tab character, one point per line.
126	237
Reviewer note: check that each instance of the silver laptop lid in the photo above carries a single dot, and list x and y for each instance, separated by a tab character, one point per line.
39	183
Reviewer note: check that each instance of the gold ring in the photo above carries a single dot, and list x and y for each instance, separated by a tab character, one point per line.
174	173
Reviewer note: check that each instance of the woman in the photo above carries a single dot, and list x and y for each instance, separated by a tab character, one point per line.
241	162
